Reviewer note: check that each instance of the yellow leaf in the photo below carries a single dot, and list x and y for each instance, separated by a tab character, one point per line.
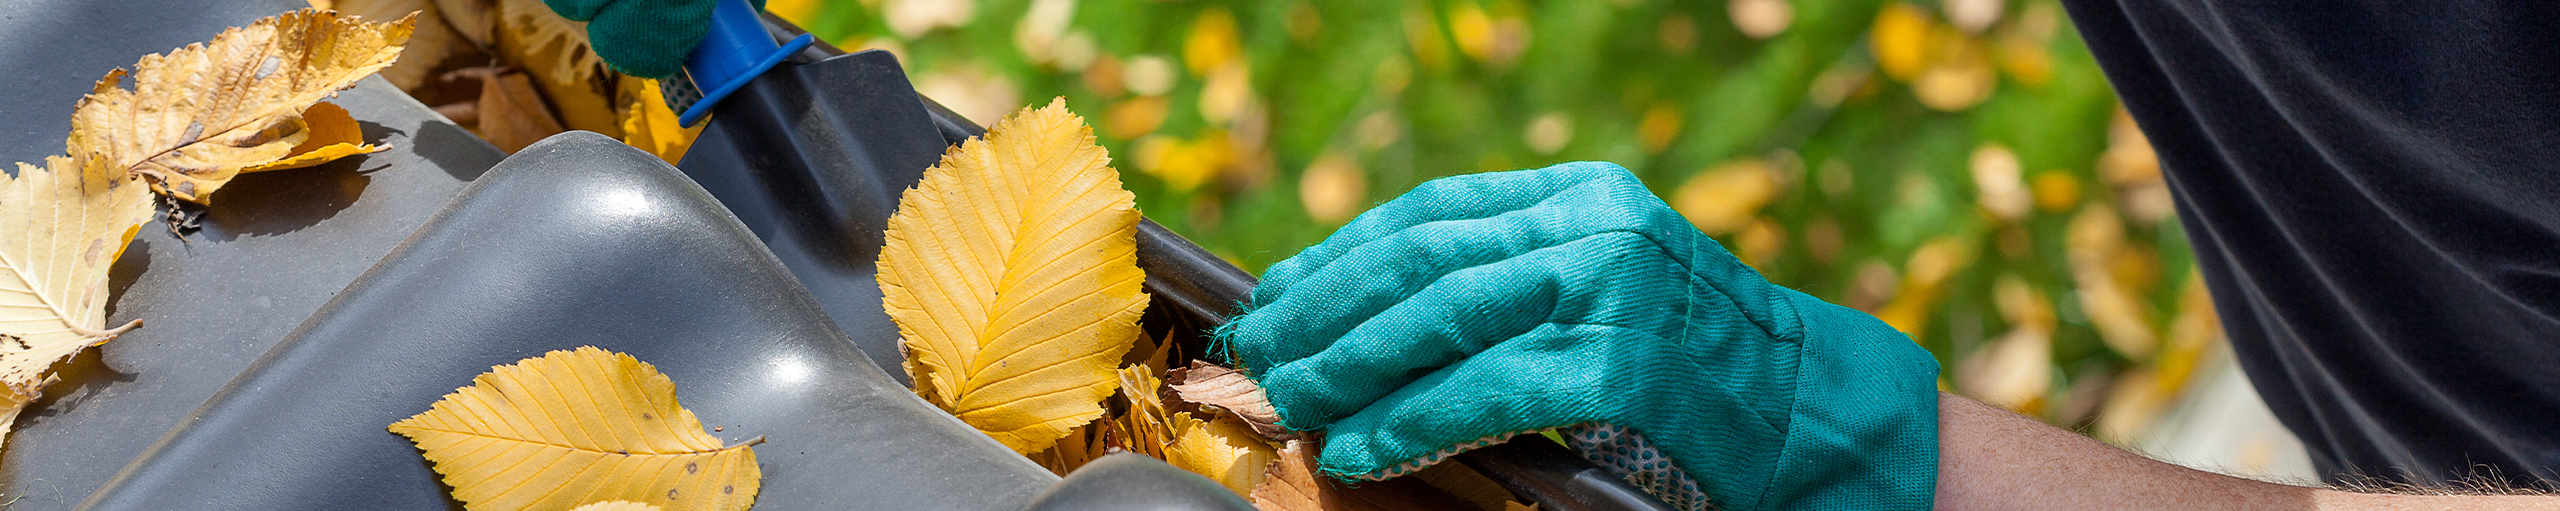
600	423
334	135
1144	429
616	505
199	115
65	224
648	124
1011	270
1223	448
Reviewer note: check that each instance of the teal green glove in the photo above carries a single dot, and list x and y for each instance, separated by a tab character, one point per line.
643	38
1482	306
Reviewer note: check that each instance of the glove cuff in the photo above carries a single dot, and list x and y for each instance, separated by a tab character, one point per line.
1864	431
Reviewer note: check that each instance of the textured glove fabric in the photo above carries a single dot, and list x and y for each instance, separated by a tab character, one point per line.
644	38
1486	305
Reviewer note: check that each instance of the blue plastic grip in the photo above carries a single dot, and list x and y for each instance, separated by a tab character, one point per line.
732	53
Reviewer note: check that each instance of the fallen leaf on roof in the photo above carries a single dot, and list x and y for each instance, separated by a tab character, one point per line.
199	115
66	223
597	421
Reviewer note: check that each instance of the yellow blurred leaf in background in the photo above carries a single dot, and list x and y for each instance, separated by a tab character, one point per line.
1011	271
199	115
1998	183
599	422
1724	198
1332	190
1212	42
1960	77
1660	125
2056	191
1135	117
1902	40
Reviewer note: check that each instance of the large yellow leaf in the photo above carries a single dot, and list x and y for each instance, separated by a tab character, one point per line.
61	227
574	427
199	115
1011	270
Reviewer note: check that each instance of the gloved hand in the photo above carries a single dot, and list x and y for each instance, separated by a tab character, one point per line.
643	38
1481	306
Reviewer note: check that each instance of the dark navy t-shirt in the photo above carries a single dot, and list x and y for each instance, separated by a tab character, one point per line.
2373	192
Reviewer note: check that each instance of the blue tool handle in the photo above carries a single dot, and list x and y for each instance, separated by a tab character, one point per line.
732	53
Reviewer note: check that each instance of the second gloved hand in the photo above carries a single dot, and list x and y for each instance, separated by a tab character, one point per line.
1493	304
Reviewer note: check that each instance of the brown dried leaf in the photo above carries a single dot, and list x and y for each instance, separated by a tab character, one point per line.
511	115
1211	385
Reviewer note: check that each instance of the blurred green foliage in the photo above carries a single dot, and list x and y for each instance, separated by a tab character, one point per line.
1958	168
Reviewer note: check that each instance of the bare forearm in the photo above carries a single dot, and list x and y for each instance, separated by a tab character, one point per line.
1991	459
